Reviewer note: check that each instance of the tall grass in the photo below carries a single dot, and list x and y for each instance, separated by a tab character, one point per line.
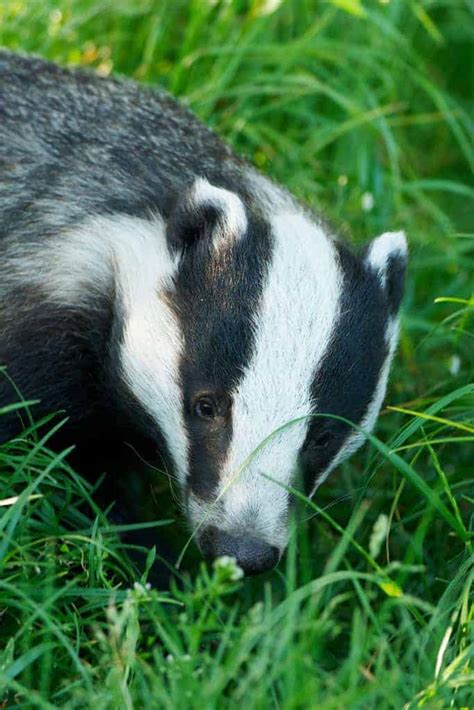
362	109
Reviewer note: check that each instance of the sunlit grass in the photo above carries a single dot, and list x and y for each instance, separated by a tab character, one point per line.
361	109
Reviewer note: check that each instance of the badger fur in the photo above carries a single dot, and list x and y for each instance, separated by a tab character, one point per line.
153	283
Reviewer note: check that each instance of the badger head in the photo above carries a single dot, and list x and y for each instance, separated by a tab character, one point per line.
256	322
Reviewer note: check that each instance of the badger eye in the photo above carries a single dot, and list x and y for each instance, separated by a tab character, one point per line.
323	438
205	408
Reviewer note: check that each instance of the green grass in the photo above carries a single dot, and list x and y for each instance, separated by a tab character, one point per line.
371	607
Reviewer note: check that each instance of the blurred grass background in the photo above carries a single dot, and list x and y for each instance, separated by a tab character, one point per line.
364	110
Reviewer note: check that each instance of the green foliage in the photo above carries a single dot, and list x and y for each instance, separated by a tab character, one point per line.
362	109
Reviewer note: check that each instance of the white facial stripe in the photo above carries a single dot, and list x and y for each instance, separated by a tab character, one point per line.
153	343
233	211
132	253
293	329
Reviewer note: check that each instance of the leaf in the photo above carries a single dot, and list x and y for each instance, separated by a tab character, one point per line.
431	418
353	7
6	656
391	589
428	23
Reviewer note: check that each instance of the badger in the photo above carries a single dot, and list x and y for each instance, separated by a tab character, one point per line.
153	284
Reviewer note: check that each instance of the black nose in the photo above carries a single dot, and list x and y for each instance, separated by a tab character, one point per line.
252	555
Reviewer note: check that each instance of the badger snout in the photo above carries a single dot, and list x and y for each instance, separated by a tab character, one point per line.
252	555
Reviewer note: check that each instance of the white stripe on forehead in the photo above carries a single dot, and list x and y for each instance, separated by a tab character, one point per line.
153	344
132	253
299	308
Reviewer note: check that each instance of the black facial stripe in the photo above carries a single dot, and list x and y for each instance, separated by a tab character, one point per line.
217	294
346	379
395	271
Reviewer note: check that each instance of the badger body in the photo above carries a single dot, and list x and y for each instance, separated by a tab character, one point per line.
153	284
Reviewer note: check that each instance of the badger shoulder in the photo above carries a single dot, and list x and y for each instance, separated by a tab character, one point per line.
73	144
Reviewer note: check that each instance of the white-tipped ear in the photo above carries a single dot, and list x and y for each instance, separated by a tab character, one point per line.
228	204
387	257
207	212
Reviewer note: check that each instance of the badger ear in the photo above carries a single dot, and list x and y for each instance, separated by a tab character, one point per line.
387	257
206	212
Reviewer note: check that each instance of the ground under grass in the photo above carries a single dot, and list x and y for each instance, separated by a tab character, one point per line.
361	108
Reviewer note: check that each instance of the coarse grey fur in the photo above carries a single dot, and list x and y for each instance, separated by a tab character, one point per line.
96	147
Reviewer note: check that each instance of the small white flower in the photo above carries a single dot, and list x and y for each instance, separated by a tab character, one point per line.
229	565
141	589
267	7
224	561
454	365
237	573
367	201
